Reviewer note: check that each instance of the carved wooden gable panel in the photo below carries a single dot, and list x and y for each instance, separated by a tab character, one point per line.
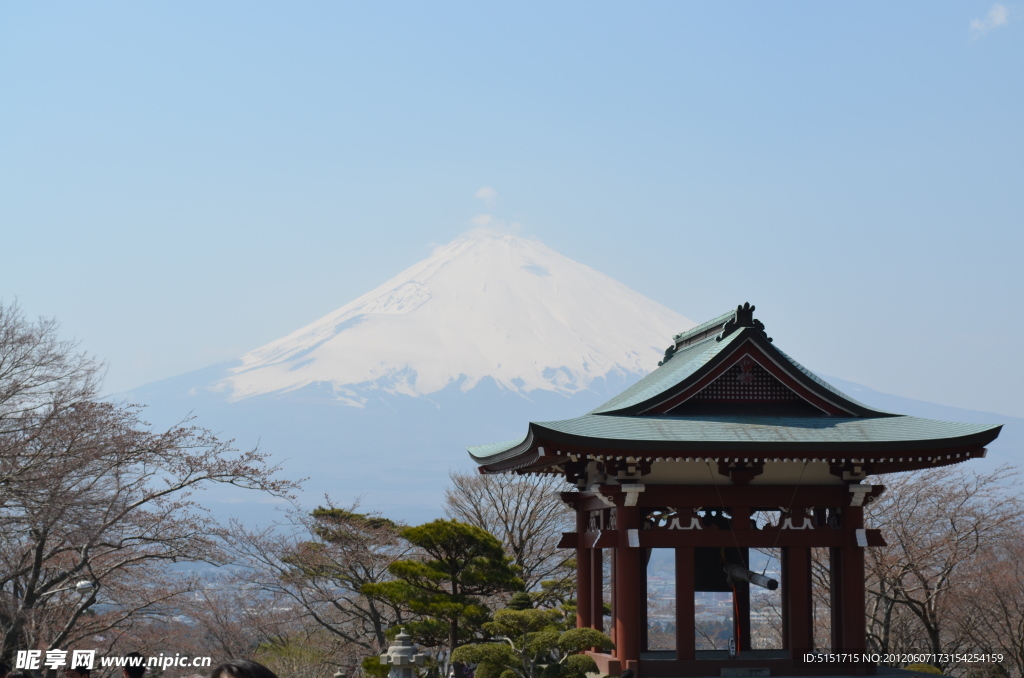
745	382
746	387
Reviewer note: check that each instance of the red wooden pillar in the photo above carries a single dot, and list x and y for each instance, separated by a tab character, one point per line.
846	586
644	603
787	642
854	607
741	608
741	604
584	568
597	589
686	644
797	609
628	590
835	591
854	604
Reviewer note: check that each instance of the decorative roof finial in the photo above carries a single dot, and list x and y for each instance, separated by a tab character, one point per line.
744	317
669	352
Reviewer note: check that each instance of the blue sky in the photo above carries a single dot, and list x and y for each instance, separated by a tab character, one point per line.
181	182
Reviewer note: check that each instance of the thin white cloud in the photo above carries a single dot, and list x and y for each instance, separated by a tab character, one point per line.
998	15
481	220
488	195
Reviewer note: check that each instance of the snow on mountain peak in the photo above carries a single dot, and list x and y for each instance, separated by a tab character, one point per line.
485	305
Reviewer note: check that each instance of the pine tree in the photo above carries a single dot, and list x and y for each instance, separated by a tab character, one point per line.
461	564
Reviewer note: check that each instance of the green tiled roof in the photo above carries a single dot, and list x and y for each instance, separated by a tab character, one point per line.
491	449
688	360
789	433
632	420
704	327
812	430
680	367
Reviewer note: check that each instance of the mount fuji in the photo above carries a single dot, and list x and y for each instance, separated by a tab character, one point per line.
485	306
378	400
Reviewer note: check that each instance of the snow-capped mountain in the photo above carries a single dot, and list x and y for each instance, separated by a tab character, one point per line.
487	305
380	398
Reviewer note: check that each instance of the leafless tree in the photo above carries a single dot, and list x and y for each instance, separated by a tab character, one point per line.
524	513
941	525
231	618
88	492
992	605
318	564
41	378
311	652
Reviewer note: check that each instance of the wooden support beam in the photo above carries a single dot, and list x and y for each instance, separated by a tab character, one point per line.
854	603
697	496
685	620
584	568
854	607
798	622
741	608
835	592
628	591
661	538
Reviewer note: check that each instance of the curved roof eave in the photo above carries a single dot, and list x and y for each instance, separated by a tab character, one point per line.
752	436
751	445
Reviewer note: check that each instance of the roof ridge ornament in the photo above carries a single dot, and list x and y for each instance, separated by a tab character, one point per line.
744	317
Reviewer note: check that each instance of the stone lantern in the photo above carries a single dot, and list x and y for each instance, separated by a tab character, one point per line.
402	657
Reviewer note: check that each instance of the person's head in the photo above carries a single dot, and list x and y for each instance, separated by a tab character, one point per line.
241	668
628	673
134	667
77	672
